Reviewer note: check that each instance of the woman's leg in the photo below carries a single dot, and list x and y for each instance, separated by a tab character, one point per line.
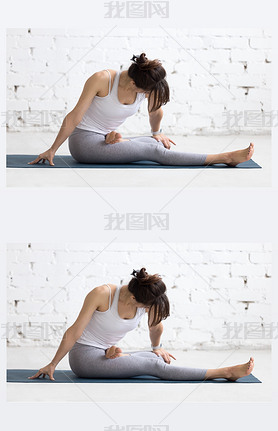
90	147
90	362
230	373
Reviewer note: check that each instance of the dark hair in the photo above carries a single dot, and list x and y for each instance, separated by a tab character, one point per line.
149	75
150	291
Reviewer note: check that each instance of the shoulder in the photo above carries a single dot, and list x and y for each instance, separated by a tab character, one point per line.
102	75
99	81
103	289
101	293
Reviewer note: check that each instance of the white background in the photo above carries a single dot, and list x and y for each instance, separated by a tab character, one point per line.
199	215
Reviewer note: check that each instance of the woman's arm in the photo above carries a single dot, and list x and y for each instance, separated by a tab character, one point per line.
155	333
68	340
155	118
71	335
93	85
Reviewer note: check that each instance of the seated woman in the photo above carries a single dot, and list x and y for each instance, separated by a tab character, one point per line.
105	319
107	99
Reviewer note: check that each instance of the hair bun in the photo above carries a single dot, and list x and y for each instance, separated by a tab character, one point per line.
139	59
142	273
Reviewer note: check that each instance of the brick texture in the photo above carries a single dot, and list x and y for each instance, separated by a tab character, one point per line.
208	70
220	293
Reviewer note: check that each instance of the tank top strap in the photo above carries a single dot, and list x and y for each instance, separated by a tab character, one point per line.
114	305
109	90
109	295
114	89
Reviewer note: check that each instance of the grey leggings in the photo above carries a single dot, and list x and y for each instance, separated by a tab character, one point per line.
90	147
88	361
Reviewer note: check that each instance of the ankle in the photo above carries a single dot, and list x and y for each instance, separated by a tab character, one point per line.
227	372
217	373
218	158
227	158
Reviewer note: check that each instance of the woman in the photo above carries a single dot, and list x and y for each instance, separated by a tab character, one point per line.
108	98
105	319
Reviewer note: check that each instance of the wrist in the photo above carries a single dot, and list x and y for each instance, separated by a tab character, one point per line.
157	132
53	363
157	347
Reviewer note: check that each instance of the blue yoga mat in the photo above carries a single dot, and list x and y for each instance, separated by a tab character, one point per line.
67	376
21	161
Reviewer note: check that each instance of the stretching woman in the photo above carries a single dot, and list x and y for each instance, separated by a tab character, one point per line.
108	313
108	98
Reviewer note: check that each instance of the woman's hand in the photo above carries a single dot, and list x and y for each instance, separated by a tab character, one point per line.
165	141
48	370
47	155
165	355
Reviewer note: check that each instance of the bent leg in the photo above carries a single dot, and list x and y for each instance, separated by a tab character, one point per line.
90	362
90	147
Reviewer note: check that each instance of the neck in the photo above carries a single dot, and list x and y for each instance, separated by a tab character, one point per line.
125	82
125	295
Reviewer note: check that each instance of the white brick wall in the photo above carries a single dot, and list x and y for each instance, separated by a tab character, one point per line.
212	287
210	72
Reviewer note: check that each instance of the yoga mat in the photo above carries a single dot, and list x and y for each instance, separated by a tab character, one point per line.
21	161
67	376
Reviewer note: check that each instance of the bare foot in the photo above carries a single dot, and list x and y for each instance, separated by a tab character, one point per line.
114	352
236	157
118	138
237	371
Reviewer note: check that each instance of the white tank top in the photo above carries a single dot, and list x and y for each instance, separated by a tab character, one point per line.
107	113
106	328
